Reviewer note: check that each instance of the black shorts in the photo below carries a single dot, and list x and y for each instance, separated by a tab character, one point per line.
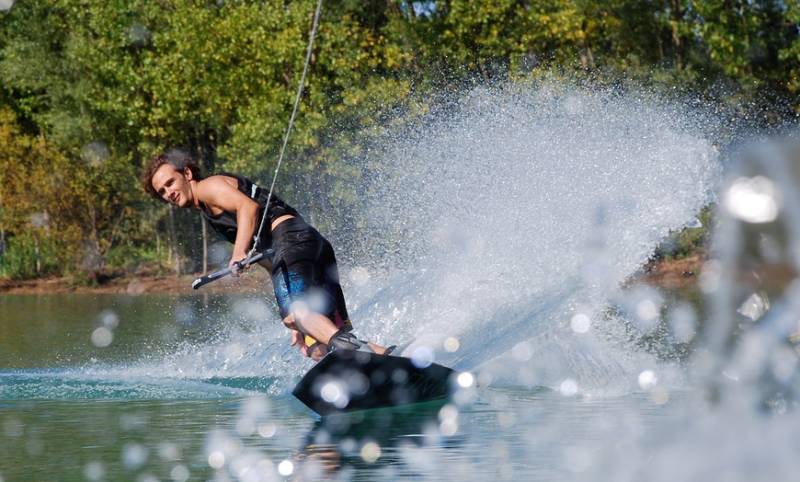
304	273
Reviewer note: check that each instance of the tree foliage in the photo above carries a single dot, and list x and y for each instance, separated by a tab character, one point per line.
90	88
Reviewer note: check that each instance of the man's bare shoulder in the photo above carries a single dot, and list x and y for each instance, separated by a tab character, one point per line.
215	184
221	192
216	179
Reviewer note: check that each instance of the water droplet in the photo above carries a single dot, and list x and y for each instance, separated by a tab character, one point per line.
647	379
40	220
568	387
179	473
267	430
286	468
133	455
683	323
138	34
370	452
465	379
753	200
360	276
95	153
109	319
94	471
6	5
754	306
422	357
216	460
335	392
580	323
169	451
13	428
451	344
102	337
710	276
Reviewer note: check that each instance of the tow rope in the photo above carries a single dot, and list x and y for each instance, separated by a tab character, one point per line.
301	86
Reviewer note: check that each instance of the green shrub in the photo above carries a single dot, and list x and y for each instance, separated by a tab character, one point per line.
24	252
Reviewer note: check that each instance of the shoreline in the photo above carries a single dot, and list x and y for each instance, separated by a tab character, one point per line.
667	274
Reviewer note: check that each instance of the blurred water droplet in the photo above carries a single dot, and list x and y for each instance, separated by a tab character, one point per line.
138	34
131	421
784	364
216	460
451	344
102	337
267	430
169	451
695	224
754	306
184	314
179	473
135	287
422	357
13	427
360	276
94	471
40	220
465	379
109	319
647	310
95	153
647	379
335	392
286	468
709	276
568	387
6	5
580	323
683	322
753	200
370	452
134	455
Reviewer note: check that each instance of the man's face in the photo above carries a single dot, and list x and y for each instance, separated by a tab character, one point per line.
172	185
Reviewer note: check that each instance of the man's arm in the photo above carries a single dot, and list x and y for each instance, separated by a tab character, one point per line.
216	192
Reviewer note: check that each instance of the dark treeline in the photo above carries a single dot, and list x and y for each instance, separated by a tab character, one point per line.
91	89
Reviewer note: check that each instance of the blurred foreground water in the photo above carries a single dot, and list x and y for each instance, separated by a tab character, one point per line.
497	238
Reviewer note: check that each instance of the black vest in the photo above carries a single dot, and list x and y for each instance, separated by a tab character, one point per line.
225	222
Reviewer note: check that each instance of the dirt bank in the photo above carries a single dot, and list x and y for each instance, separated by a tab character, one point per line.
135	284
669	274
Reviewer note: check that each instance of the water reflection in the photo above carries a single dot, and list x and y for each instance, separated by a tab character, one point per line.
352	445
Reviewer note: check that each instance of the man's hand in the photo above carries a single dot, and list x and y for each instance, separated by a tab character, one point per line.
299	340
237	257
316	353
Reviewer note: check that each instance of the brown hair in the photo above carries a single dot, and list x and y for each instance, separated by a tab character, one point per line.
177	159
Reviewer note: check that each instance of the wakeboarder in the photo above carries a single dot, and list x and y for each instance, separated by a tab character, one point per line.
303	266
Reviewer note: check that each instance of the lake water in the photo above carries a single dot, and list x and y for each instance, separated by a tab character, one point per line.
138	410
70	410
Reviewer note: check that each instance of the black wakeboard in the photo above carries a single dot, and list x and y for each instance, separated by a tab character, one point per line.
347	380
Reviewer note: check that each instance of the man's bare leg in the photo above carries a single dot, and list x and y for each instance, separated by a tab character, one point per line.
319	327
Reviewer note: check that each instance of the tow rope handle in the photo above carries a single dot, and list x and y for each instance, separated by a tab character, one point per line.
250	259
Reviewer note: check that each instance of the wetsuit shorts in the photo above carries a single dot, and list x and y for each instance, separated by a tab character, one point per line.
304	274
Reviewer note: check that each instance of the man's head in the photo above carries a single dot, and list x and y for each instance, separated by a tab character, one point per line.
168	177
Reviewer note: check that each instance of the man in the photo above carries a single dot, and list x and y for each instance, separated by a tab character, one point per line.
304	273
